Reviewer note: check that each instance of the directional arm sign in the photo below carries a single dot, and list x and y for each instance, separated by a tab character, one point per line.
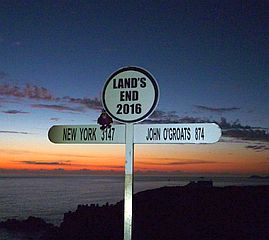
177	133
188	133
87	134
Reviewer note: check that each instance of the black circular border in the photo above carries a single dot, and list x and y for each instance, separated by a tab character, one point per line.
150	77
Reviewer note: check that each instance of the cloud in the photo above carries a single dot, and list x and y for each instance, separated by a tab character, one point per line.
158	114
56	107
172	117
64	163
238	131
179	163
14	112
68	163
216	110
229	129
87	102
255	135
232	125
40	93
258	147
54	119
192	162
14	132
28	91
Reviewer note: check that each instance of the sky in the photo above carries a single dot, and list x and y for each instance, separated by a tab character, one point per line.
210	59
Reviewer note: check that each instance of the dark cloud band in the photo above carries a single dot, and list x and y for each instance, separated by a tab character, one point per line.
46	163
40	93
56	107
14	132
179	163
258	147
216	110
14	112
229	129
28	91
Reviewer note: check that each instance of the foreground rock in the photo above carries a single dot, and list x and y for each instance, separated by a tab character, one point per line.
33	227
191	212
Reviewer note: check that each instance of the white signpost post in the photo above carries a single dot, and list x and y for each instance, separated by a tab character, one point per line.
129	96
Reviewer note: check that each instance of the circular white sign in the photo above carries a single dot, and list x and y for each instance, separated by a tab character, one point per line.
130	94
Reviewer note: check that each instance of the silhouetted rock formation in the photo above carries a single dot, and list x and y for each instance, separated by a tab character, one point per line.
203	213
178	213
93	222
32	225
172	213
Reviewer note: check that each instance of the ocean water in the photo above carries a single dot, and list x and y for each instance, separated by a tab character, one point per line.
49	197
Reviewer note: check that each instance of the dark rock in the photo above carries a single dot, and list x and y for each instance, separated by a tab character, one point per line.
170	213
177	213
32	226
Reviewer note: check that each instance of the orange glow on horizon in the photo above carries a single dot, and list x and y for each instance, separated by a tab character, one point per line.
215	158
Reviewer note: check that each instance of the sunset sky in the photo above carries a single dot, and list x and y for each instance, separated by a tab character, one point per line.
210	59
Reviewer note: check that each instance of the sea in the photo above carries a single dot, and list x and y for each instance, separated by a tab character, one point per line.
49	197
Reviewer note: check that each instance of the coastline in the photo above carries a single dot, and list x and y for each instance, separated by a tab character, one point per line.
189	212
49	197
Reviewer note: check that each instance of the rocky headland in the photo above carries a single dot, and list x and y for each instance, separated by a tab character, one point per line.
196	211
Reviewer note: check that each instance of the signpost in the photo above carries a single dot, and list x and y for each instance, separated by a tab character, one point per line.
129	96
177	133
81	134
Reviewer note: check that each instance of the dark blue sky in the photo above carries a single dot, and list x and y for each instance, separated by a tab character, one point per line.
210	58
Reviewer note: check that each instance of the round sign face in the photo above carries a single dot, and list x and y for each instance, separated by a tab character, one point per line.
130	94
